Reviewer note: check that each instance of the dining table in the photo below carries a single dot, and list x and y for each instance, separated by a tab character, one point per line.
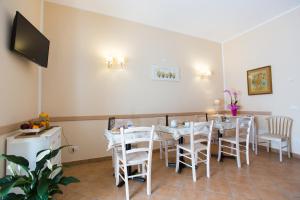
177	133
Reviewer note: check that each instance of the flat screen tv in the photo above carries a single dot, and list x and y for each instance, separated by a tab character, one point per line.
29	41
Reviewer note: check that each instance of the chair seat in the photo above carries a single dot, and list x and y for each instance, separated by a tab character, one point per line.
268	136
134	158
198	147
232	139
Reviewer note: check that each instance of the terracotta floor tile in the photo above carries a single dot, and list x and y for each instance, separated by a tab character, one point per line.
266	178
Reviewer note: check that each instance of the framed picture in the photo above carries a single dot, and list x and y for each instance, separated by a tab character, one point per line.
260	81
165	73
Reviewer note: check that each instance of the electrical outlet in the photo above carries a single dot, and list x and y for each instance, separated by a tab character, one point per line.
74	149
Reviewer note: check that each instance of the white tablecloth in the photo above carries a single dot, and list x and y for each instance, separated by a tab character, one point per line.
114	138
178	132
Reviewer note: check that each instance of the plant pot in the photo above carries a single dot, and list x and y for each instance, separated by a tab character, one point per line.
234	111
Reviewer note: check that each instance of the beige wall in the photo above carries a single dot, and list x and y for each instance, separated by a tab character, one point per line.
78	82
278	44
18	76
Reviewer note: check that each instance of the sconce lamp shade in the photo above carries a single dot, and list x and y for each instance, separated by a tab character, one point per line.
115	62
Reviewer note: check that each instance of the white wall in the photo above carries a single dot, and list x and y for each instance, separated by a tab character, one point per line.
278	44
18	76
78	83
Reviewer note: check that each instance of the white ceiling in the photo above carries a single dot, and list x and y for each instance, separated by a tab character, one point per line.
216	20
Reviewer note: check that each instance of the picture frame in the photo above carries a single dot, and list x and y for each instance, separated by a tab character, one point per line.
259	81
160	73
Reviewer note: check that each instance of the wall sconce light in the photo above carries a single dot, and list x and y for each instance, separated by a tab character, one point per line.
115	62
205	74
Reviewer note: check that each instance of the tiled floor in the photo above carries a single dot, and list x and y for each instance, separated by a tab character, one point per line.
266	179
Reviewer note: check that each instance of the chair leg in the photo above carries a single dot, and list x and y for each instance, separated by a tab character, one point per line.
268	146
219	151
280	151
126	182
238	156
117	171
208	165
166	154
160	149
289	147
253	139
144	168
247	152
149	179
113	157
196	158
177	158
193	166
256	145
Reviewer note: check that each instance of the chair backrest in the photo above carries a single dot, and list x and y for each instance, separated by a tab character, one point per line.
135	135
243	123
200	129
111	123
280	125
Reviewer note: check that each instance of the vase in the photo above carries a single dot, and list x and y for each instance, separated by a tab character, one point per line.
234	111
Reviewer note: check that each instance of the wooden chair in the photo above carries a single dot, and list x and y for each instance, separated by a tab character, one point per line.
140	156
279	130
191	151
242	123
166	145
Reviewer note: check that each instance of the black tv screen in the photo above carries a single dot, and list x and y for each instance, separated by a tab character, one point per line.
29	41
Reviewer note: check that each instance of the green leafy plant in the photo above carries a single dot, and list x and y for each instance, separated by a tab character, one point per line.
39	184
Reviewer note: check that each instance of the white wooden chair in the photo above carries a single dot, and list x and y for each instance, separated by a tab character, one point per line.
166	145
279	130
140	156
115	123
191	151
242	123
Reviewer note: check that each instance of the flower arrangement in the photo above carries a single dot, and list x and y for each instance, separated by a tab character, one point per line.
233	106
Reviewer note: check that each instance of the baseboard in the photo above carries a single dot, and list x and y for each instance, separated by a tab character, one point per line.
106	158
92	160
293	155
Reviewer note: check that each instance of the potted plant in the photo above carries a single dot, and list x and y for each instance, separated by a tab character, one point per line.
233	106
39	184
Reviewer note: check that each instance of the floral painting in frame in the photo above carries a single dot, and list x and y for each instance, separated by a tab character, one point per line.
165	73
260	81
